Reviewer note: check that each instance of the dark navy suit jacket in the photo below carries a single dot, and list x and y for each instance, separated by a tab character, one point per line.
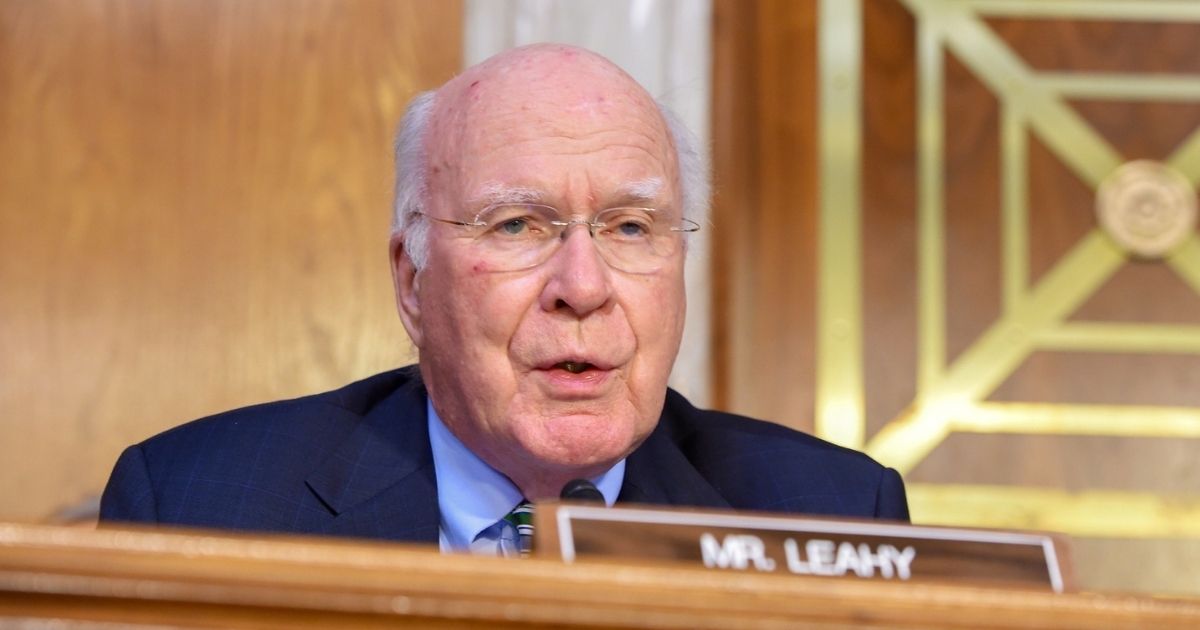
356	462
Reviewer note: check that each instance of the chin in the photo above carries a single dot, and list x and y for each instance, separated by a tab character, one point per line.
589	444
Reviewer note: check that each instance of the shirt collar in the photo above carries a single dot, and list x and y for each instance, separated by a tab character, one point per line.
472	495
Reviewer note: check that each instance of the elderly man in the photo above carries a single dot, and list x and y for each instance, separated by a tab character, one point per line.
543	204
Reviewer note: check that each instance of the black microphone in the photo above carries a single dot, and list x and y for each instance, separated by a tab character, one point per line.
581	490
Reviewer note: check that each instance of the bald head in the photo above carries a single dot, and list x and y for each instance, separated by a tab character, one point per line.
561	78
529	107
543	82
543	90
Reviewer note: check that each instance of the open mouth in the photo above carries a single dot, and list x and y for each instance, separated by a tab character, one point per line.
574	367
579	377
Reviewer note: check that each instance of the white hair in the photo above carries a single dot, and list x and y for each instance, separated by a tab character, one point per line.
412	184
495	192
643	189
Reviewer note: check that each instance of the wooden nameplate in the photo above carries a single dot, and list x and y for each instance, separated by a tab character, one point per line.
808	546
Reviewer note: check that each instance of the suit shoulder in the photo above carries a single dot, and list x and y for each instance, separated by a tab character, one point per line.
247	468
693	425
275	443
766	466
284	416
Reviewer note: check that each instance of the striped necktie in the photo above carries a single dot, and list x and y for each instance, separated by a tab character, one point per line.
521	517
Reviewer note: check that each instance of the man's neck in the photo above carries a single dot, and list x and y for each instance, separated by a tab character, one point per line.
473	495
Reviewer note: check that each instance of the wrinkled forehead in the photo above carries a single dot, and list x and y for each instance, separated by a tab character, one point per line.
559	119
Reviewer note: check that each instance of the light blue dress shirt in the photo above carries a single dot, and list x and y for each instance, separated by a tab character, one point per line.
474	498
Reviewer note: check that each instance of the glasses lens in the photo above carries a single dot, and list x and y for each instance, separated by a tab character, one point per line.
512	224
519	236
631	227
635	239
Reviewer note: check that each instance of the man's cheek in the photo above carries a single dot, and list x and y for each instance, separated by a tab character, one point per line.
663	303
496	310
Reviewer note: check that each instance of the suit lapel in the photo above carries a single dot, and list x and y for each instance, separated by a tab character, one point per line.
380	482
659	473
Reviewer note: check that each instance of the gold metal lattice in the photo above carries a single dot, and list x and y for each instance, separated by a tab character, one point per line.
952	397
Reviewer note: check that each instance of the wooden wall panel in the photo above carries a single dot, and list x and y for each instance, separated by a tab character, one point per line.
766	157
194	208
764	209
1061	212
889	206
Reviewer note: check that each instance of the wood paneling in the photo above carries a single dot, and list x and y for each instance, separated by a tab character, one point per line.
1061	211
1102	45
115	578
764	210
889	206
194	209
765	157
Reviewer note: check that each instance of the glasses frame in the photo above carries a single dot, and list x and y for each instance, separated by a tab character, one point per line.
685	226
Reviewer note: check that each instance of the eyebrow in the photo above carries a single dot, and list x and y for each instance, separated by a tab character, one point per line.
638	191
493	193
641	191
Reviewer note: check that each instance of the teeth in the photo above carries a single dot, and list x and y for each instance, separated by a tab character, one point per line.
574	367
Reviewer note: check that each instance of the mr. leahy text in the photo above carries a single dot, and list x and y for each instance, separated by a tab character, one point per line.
815	557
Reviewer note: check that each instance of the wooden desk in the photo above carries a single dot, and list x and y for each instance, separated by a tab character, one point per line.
85	578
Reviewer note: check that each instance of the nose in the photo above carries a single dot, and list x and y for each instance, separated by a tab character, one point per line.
580	280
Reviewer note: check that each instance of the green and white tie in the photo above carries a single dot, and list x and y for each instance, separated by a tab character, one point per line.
521	517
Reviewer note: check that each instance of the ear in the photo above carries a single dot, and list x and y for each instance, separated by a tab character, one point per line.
407	286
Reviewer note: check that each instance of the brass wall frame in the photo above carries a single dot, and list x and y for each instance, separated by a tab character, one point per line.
952	397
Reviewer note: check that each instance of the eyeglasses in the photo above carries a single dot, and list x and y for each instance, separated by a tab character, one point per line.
519	236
